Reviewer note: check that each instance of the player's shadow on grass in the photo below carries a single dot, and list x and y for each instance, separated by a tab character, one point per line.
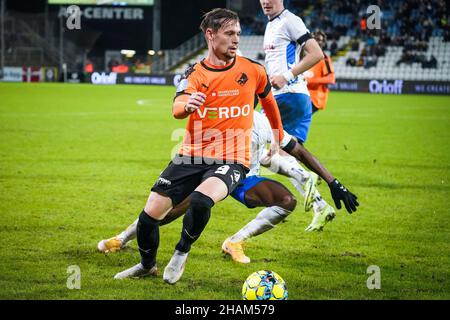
94	257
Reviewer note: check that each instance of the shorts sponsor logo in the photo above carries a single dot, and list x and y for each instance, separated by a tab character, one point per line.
164	182
236	176
222	170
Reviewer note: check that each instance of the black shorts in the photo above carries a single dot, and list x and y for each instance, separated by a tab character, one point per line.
178	181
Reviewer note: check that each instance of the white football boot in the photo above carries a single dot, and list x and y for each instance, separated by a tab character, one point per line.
137	271
175	268
310	190
321	218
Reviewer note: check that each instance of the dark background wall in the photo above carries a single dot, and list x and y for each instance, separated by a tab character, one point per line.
180	20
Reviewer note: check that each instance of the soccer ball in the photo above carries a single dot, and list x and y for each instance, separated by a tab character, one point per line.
264	285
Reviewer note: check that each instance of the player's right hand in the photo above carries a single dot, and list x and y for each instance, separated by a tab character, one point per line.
341	193
196	100
278	82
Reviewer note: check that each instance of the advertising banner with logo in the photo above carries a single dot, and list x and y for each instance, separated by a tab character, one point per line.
350	85
49	74
392	86
103	78
29	74
12	74
132	78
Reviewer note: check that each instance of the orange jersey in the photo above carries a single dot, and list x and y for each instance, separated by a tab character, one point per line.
222	127
318	79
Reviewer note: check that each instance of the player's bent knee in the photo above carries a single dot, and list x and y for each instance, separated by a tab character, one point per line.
146	219
158	205
288	202
201	204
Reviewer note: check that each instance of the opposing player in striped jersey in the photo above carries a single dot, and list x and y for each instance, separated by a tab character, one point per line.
256	191
285	37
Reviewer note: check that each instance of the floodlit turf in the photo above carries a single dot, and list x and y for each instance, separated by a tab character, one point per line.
77	163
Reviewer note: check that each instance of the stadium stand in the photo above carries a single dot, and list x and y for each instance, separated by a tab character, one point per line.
413	42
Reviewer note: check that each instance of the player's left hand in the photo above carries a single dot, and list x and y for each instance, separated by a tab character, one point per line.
341	193
278	82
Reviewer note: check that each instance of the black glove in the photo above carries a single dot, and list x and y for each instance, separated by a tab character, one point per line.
339	192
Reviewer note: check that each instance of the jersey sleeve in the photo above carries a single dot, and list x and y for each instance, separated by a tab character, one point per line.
263	83
297	30
189	83
327	67
268	102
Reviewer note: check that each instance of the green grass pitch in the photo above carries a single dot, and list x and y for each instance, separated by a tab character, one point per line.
77	163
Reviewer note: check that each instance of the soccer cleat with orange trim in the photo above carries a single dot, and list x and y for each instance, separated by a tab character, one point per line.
235	250
110	245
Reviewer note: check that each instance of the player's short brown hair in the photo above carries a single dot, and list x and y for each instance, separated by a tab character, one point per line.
320	33
216	18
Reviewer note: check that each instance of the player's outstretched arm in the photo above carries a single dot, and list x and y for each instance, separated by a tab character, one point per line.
313	55
338	191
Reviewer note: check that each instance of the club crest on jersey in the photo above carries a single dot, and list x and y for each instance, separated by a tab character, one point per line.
242	78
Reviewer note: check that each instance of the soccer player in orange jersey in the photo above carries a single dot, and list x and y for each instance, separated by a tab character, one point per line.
256	191
320	76
217	96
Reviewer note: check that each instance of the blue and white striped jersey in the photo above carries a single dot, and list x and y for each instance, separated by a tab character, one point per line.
284	37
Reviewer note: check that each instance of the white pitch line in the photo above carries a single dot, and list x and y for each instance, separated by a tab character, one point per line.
149	102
